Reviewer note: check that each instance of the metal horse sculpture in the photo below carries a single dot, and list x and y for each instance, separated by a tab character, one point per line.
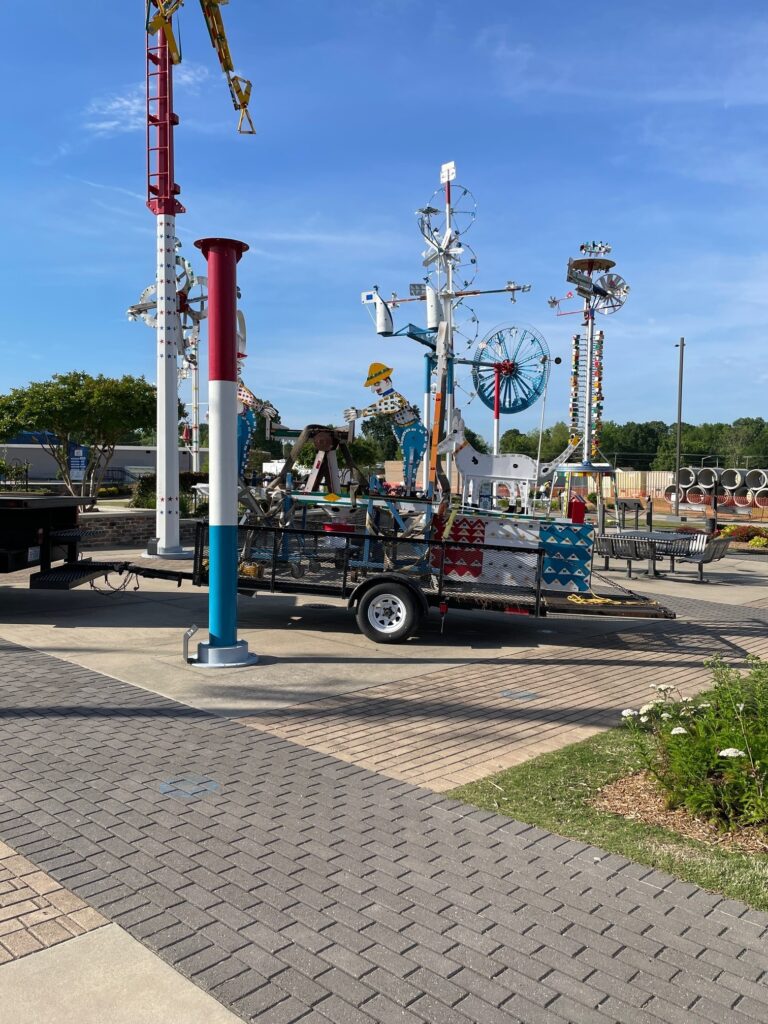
518	472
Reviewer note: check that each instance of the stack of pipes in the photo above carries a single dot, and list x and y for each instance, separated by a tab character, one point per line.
740	488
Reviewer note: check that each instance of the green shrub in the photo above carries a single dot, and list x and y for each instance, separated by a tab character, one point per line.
144	497
710	754
201	512
144	492
759	542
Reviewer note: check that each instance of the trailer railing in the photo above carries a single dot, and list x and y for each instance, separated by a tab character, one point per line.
467	573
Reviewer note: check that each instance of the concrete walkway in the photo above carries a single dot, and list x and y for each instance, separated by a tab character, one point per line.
293	886
442	710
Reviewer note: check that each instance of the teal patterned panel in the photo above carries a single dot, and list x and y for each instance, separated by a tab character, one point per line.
567	556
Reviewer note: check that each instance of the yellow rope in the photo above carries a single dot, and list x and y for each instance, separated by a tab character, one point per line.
592	599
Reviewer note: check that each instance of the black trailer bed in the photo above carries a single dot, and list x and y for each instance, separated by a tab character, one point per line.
621	605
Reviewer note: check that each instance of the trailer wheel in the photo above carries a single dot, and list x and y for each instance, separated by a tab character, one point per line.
387	613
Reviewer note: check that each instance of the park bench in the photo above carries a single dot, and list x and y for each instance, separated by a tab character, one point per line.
635	547
626	548
704	550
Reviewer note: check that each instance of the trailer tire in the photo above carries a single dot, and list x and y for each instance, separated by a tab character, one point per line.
388	613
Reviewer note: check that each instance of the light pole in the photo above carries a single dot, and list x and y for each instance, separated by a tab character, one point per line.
681	346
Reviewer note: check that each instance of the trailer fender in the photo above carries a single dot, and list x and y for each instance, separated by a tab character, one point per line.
389	577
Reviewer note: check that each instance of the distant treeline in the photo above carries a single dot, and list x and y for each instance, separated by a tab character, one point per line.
651	445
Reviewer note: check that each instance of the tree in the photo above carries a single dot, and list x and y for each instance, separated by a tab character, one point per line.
74	409
366	454
378	428
478	443
515	442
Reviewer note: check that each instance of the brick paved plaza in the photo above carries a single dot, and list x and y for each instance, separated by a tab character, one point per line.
274	881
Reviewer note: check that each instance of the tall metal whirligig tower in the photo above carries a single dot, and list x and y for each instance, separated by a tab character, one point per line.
451	266
605	294
162	192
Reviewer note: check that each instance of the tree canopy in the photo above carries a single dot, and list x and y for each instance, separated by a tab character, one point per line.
651	444
74	409
378	429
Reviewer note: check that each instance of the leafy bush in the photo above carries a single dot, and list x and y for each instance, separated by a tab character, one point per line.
744	534
144	492
759	542
144	496
108	492
201	512
710	754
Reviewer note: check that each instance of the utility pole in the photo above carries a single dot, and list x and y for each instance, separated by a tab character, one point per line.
681	346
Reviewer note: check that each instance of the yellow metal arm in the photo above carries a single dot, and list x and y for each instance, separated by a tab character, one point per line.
162	20
239	88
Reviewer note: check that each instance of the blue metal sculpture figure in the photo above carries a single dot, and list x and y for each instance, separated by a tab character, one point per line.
248	408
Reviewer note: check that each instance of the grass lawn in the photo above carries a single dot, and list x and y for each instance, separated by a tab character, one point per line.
553	792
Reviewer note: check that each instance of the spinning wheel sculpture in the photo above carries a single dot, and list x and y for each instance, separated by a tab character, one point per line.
519	358
445	241
192	307
146	308
615	290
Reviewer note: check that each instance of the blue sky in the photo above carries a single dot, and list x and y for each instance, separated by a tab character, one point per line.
642	124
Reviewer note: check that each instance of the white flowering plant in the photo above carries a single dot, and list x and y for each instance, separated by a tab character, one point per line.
710	753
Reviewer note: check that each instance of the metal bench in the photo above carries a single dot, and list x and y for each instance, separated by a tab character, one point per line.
637	546
628	549
705	550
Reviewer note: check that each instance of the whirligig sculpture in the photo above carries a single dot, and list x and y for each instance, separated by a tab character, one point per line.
405	418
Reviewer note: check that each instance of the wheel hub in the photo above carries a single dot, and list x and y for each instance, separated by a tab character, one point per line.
387	613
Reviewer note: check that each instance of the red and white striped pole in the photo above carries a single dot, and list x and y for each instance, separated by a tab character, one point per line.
496	419
223	649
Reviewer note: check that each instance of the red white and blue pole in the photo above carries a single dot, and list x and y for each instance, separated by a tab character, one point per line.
223	648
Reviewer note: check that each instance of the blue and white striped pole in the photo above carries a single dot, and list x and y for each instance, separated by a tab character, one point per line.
223	649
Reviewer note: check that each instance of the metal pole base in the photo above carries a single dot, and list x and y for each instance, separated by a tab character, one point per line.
172	553
155	551
237	656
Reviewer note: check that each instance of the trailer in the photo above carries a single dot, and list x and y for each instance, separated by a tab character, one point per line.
389	574
391	581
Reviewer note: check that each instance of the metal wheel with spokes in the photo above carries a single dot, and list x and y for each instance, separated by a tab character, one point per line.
387	613
521	356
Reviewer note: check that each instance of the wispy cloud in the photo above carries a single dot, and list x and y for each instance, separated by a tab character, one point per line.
116	113
731	152
58	153
190	76
108	188
691	64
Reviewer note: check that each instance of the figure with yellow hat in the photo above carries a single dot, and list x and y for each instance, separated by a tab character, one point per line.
406	422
